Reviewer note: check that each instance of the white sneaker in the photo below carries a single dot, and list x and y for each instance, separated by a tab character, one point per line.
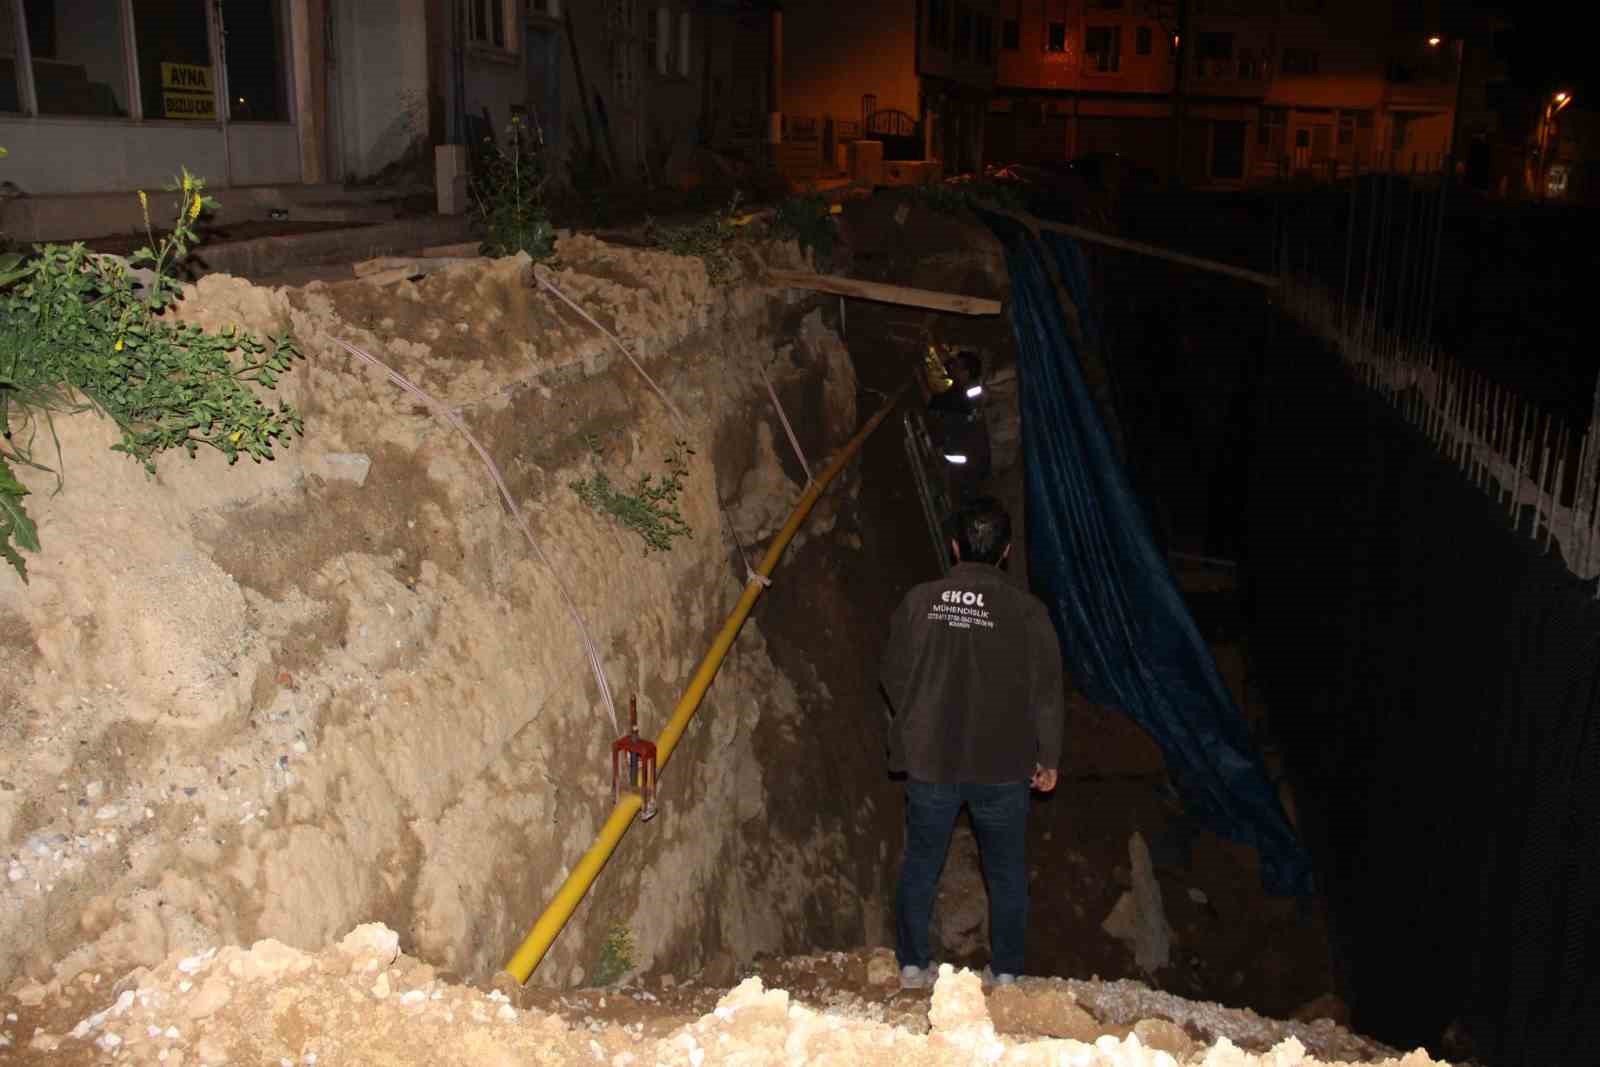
916	977
989	978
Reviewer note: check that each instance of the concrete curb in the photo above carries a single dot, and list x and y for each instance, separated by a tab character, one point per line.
264	256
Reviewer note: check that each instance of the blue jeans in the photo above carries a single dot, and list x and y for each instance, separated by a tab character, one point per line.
1000	822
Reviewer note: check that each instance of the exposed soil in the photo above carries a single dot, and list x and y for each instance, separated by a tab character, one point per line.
361	1002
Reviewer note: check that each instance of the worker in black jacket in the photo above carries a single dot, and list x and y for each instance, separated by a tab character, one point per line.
974	680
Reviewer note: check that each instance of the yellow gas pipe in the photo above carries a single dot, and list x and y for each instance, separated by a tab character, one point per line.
550	924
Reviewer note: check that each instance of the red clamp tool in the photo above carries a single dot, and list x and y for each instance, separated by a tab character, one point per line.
640	766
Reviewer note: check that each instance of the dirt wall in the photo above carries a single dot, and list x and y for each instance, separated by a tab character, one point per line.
277	700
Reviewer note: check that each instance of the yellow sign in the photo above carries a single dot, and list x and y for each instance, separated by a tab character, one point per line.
186	78
189	106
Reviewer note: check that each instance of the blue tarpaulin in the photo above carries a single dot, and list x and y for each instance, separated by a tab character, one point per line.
1126	634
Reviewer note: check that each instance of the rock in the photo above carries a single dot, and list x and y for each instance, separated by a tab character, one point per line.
755	1003
380	988
30	995
1165	1036
957	1000
1049	1012
213	995
668	981
1198	896
882	969
1137	919
210	1050
1327	1006
351	467
267	958
371	941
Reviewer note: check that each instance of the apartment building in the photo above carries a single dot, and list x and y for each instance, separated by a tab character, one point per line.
1242	90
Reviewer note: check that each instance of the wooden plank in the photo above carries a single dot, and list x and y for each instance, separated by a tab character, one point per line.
881	292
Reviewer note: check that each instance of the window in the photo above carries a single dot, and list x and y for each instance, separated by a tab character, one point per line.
1105	5
78	63
658	39
685	44
1402	126
1347	128
620	32
1249	64
10	60
939	23
256	49
492	24
1213	55
985	39
1141	40
1011	25
1055	37
176	77
963	37
1102	49
1300	61
1270	132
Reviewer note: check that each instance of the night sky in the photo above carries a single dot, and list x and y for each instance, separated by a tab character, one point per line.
1547	47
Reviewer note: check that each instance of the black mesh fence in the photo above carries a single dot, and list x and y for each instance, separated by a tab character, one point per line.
1434	678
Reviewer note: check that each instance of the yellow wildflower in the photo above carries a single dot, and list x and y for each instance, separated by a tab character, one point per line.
194	209
119	344
235	435
144	202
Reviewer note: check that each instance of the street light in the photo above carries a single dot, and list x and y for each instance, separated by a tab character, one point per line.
1434	42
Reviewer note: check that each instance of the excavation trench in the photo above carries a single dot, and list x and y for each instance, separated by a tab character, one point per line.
277	700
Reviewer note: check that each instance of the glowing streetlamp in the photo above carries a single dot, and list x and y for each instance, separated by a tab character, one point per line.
1434	42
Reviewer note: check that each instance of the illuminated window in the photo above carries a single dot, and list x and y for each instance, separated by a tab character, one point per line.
1102	49
1141	40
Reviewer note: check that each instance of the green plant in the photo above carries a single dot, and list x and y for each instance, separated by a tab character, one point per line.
508	186
707	238
954	196
79	330
616	955
650	509
809	220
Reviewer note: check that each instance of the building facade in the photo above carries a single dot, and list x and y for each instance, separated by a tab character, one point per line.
1229	91
915	74
109	96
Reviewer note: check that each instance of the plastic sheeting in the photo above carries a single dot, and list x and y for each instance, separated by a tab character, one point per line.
1126	634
